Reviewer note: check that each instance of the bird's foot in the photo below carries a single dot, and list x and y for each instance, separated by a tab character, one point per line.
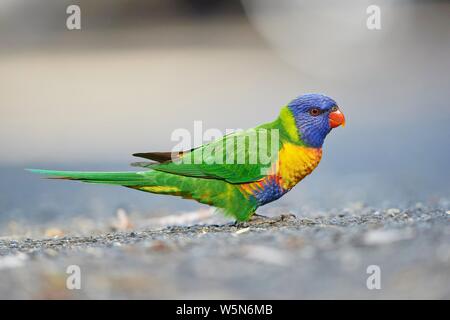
287	216
257	219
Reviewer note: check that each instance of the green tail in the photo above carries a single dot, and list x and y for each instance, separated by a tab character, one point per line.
127	179
218	193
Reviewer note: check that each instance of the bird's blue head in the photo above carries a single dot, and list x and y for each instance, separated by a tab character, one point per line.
315	115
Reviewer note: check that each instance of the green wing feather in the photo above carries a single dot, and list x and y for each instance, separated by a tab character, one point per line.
235	158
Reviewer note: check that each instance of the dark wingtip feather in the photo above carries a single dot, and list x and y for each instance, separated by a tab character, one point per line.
156	156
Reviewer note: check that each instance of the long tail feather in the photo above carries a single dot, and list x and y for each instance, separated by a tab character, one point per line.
118	178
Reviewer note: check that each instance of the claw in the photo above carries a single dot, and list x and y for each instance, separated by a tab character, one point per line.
257	219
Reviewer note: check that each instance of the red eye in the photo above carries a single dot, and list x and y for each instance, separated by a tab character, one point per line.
314	112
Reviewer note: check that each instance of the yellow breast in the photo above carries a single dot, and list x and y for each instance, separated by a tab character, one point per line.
296	162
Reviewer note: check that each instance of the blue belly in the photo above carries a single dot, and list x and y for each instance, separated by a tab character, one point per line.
271	191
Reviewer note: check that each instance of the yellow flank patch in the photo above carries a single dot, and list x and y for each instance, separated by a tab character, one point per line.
288	122
296	162
160	189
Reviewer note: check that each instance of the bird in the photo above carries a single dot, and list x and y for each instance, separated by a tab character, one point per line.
229	173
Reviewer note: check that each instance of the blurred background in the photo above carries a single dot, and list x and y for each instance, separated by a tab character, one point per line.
137	70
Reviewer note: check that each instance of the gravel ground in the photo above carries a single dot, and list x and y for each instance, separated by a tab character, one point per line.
283	257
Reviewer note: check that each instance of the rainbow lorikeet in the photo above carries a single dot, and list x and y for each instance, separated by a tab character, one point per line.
229	173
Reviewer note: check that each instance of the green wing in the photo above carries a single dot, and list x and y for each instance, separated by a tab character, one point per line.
236	158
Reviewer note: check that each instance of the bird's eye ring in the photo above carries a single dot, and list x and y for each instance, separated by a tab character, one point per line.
334	109
314	112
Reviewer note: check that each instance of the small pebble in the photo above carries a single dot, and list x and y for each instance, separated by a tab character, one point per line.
393	211
243	230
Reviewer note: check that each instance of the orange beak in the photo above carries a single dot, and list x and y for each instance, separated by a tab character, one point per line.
336	118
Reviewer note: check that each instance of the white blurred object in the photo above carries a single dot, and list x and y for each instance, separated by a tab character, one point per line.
122	221
13	261
330	39
380	237
266	255
187	218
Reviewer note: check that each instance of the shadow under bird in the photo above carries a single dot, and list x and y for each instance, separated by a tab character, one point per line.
211	174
